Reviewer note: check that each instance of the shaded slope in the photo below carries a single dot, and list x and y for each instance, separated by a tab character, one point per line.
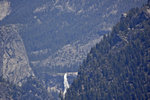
53	24
32	90
119	66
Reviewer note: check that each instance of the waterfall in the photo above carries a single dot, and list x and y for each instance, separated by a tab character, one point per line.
66	84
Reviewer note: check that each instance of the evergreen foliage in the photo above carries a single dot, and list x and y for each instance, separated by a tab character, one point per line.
31	90
119	66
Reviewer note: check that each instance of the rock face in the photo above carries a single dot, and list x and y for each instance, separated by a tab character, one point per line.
4	9
54	32
14	61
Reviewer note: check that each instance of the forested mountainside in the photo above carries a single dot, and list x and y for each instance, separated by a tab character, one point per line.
48	39
119	66
31	90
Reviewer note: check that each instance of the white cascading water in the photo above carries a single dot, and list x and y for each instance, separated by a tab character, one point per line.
66	84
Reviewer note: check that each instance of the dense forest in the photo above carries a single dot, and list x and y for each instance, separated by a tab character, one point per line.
119	66
43	43
31	90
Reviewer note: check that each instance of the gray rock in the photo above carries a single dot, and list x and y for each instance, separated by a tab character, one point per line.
15	65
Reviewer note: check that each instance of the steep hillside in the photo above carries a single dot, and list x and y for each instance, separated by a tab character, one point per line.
61	32
8	91
31	90
119	66
17	80
57	35
15	65
53	24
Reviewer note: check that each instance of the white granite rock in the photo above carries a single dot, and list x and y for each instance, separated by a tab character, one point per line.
15	61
